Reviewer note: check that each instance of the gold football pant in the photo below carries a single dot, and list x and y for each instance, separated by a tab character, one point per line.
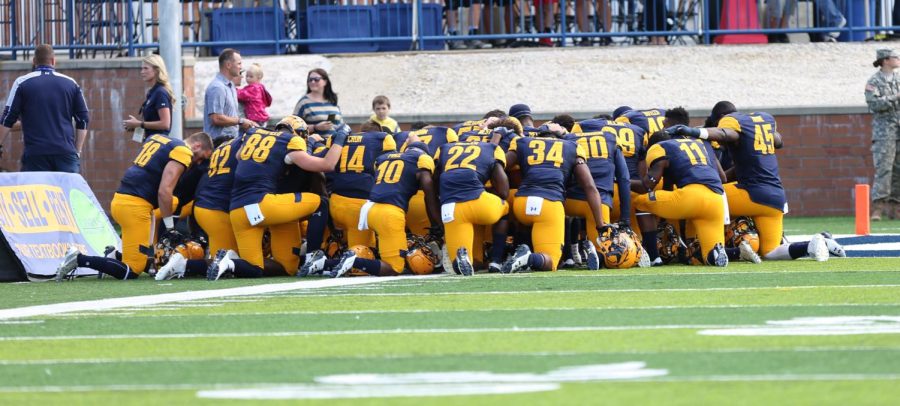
486	210
548	229
581	208
282	213
768	219
389	224
138	221
416	215
345	215
703	208
217	225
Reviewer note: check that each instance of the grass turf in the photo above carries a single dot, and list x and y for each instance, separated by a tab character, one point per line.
529	323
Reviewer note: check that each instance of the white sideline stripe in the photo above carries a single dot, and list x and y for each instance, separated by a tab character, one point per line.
597	291
371	332
133	301
443	355
695	378
418	311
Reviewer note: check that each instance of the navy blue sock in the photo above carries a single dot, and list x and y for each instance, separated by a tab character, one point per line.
330	264
369	266
315	231
649	241
244	269
798	249
109	266
498	248
734	254
196	267
536	261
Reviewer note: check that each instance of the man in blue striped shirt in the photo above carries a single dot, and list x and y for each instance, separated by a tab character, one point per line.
47	102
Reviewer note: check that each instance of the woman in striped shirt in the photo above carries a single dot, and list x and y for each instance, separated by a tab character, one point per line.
319	103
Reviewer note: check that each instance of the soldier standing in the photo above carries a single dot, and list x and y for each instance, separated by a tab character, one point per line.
883	98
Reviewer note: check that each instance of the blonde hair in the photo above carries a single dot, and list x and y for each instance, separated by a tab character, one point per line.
256	70
162	75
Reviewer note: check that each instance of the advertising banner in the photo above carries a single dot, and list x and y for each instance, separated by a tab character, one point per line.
42	214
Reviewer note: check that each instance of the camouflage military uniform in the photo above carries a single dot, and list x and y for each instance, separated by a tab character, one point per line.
883	98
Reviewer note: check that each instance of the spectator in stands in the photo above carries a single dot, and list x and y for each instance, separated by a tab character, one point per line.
47	102
523	113
582	11
220	109
319	106
655	20
156	112
780	12
451	7
381	106
254	97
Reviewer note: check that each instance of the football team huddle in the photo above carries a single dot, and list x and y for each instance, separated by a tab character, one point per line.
635	188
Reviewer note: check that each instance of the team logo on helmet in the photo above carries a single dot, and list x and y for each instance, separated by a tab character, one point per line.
620	250
189	249
294	123
742	229
669	242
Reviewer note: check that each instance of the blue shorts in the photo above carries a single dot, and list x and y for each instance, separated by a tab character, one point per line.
51	163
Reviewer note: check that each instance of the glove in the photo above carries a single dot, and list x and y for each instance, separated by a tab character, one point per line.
503	131
340	135
683	130
625	225
605	231
435	233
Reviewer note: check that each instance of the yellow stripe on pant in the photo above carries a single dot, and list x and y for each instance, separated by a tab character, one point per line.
277	209
416	216
769	220
389	224
547	228
581	208
487	209
136	217
702	207
217	225
345	215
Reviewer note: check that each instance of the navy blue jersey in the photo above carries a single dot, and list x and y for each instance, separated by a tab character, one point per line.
464	169
691	161
650	120
629	137
396	179
214	192
143	177
546	165
602	153
476	135
434	137
260	163
529	131
354	174
755	164
467	126
157	98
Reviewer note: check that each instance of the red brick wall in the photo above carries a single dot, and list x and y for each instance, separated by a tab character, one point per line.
111	94
824	154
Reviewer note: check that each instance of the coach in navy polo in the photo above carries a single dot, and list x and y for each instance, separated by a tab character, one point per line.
47	102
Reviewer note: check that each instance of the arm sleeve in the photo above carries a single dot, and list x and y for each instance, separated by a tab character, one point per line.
388	144
655	153
13	107
182	155
730	123
499	156
80	109
623	179
296	144
877	102
425	162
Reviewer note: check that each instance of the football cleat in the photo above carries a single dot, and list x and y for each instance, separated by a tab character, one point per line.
657	262
220	266
519	260
576	254
68	264
718	256
314	264
593	259
569	263
834	248
464	263
747	253
172	269
494	267
345	265
817	248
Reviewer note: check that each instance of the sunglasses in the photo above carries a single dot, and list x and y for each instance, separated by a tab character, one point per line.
313	80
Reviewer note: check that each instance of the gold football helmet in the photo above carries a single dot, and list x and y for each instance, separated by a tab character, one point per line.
420	256
361	252
621	250
295	124
742	228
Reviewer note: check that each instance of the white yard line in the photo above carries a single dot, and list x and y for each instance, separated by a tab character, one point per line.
443	355
371	332
133	301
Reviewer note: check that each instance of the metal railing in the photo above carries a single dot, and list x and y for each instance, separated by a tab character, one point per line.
111	28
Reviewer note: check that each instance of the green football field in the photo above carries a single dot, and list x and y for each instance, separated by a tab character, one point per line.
795	332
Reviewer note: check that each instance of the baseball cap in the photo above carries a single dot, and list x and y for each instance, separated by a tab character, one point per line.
519	111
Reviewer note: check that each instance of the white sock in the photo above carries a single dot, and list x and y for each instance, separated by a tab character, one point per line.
780	253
